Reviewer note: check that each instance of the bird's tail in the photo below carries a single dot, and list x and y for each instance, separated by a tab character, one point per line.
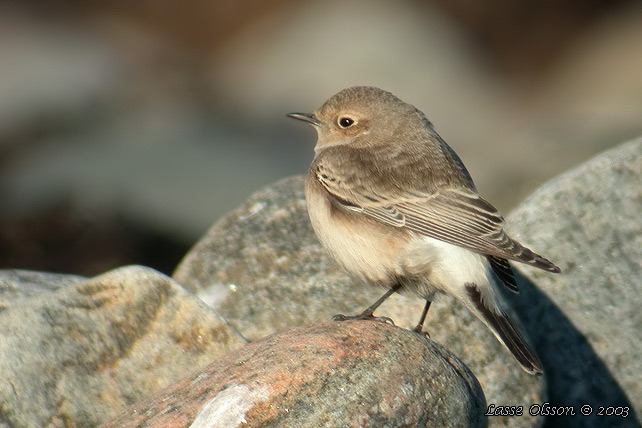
503	329
523	254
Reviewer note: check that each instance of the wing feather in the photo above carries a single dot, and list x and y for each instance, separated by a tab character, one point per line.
456	215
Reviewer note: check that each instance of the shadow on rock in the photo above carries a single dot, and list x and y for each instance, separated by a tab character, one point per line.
575	374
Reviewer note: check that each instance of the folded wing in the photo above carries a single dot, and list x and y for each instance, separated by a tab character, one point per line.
458	216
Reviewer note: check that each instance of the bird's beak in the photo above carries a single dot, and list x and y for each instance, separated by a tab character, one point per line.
306	117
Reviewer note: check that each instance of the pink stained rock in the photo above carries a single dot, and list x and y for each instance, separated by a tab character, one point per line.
352	373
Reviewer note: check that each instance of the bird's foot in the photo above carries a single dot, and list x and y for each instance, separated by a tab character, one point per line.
360	317
420	329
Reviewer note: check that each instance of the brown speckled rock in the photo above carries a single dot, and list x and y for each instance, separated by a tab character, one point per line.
76	351
348	374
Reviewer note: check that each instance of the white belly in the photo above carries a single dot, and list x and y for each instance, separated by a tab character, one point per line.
447	267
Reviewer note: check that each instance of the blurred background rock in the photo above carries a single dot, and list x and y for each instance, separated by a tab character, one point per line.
128	128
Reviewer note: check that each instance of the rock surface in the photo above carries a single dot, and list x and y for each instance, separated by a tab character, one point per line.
17	286
352	374
75	351
264	270
586	323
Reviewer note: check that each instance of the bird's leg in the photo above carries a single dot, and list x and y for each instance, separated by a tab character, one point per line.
420	325
367	314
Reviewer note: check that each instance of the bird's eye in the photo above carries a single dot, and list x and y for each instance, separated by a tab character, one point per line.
345	122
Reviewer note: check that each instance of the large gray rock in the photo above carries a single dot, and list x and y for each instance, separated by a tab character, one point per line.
75	352
356	374
587	322
264	270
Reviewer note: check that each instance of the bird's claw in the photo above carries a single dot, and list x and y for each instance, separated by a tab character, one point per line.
361	317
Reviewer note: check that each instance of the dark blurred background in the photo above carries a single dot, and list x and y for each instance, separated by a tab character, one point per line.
128	128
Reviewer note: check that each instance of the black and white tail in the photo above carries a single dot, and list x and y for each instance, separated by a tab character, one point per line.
504	330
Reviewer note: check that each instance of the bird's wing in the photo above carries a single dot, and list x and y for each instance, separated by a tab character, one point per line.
458	216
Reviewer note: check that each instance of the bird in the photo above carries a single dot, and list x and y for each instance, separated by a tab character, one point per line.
396	207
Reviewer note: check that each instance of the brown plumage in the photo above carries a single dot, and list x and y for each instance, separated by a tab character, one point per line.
394	204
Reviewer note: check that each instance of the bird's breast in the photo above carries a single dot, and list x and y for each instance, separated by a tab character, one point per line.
365	248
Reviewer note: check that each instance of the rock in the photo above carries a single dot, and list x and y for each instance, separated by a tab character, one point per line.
263	269
353	373
586	322
74	351
21	285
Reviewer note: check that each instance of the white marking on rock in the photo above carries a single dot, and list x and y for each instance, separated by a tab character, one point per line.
228	408
254	209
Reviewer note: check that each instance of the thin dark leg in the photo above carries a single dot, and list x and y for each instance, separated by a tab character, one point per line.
367	314
420	325
370	310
